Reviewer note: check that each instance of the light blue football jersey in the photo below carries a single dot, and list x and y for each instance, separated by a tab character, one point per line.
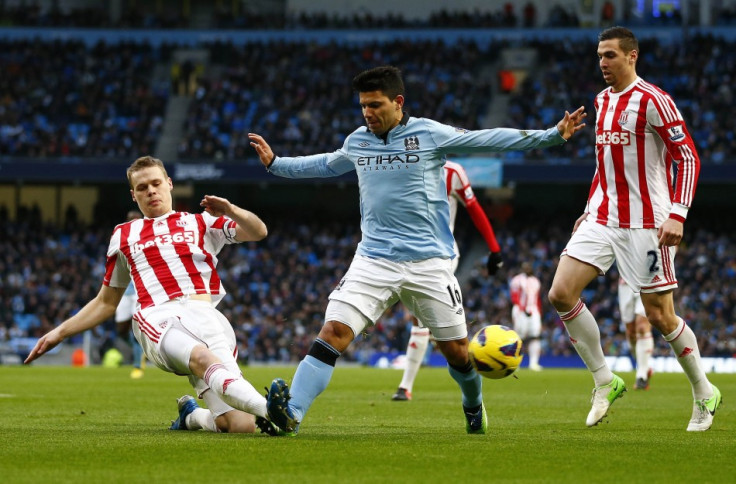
405	215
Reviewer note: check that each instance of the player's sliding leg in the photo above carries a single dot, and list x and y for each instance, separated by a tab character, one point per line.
586	338
192	416
222	377
415	351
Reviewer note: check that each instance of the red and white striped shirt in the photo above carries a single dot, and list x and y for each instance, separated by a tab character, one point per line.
460	191
636	130
525	293
169	256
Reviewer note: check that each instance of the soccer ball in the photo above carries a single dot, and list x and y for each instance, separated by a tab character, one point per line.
495	351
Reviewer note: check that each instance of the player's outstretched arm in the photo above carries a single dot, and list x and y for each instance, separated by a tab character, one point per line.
265	154
571	123
250	227
95	312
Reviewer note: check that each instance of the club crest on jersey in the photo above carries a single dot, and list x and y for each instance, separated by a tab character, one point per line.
181	223
411	143
623	118
676	133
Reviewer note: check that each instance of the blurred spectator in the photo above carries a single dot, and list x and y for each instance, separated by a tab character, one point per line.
607	14
530	15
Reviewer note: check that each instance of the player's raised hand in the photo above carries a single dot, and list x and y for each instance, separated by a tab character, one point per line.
262	148
216	206
45	343
572	122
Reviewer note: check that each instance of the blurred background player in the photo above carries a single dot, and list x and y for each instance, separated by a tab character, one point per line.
638	332
526	314
458	191
124	318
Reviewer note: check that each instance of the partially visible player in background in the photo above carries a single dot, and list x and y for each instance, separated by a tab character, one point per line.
526	314
638	332
124	318
460	192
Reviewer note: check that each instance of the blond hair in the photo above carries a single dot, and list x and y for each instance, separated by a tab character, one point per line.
145	162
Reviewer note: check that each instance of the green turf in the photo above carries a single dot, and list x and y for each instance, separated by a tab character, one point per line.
90	425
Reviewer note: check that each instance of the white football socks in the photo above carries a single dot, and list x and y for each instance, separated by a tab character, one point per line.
415	351
201	418
235	390
685	345
534	348
644	348
586	338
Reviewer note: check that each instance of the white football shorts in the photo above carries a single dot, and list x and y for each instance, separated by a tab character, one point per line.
183	324
427	288
526	326
641	262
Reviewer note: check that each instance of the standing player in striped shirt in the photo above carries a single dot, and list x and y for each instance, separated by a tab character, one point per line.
459	192
635	217
171	257
526	314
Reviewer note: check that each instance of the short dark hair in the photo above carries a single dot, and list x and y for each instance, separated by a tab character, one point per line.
386	79
145	162
626	38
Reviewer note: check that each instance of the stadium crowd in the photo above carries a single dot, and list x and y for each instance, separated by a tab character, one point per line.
295	94
223	16
63	98
277	289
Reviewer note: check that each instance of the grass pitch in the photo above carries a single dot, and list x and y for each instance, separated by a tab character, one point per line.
96	425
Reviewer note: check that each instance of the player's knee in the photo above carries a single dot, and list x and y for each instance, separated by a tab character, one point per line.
559	297
336	334
200	359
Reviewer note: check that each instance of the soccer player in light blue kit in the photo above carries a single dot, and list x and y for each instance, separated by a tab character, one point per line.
407	246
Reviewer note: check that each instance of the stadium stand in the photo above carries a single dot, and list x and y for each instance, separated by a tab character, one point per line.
76	98
67	99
